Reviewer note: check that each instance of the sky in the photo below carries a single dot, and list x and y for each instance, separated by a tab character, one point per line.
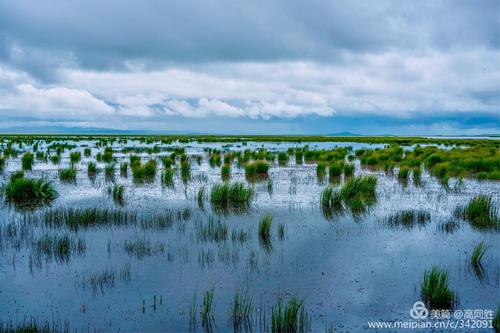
427	67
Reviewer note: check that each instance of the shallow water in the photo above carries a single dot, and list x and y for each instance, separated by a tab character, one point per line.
347	270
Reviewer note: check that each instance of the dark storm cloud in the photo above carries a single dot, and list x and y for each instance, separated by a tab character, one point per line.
107	34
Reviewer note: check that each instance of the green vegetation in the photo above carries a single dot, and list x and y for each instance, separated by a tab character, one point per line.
349	169
167	178
143	172
409	218
75	157
185	170
28	192
265	227
117	193
257	169
334	172
477	256
290	317
67	175
87	152
206	311
435	290
225	172
27	161
124	169
91	169
356	195
227	195
241	312
481	213
2	163
283	158
496	320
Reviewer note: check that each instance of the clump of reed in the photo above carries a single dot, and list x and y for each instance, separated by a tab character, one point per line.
28	192
281	231
356	194
75	157
435	290
2	163
91	169
206	310
167	162
241	312
481	213
118	193
87	152
226	195
299	155
239	236
225	172
290	317
449	226
257	170
55	159
142	247
283	158
144	172
403	173
185	169
349	169
211	231
124	169
167	177
334	172
320	171
107	156
58	247
201	196
477	257
27	161
417	176
265	227
34	327
408	218
67	175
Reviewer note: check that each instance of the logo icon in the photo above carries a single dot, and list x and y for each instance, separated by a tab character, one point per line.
419	310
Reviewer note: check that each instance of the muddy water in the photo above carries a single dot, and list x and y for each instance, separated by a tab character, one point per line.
347	270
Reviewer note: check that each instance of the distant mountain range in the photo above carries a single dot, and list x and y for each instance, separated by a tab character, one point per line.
99	130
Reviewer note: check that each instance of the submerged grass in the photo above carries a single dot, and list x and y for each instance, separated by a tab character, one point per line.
289	317
408	218
241	312
435	290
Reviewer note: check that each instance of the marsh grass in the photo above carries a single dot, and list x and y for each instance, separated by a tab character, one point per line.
212	231
206	310
109	170
75	157
408	219
334	172
124	169
481	213
257	170
241	312
33	326
281	231
283	158
289	317
185	170
403	173
225	172
98	282
449	226
145	172
28	192
58	247
143	247
2	163
55	159
167	178
435	290
417	176
87	152
27	161
118	193
91	169
265	224
320	171
234	196
67	175
477	257
349	169
240	236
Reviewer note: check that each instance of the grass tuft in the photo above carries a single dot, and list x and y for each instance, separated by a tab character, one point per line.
28	192
435	290
481	213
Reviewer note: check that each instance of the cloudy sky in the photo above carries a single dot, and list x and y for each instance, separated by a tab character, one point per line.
257	66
